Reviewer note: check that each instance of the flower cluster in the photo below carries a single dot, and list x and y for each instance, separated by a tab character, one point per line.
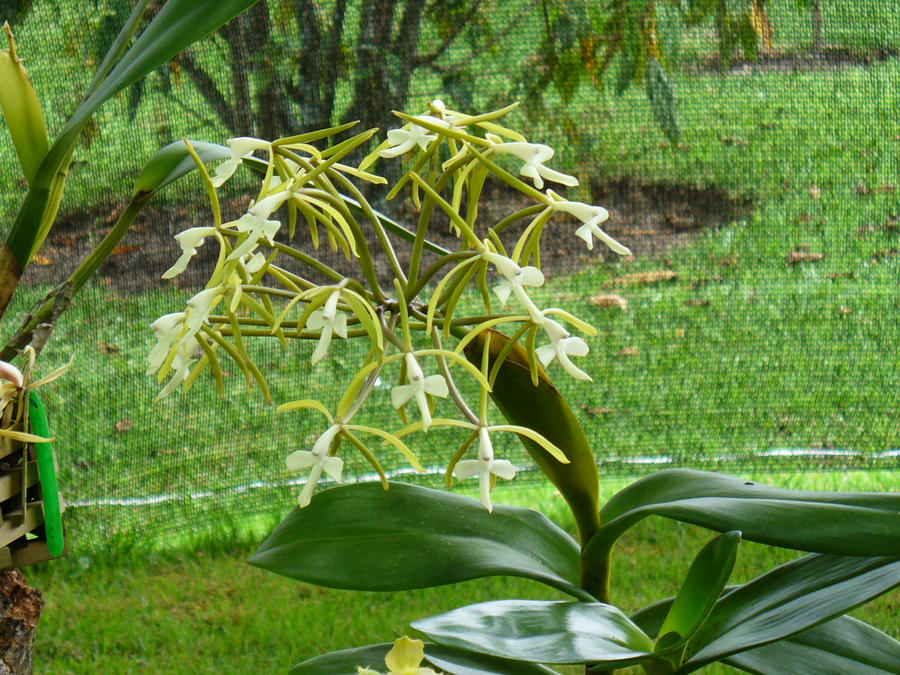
270	281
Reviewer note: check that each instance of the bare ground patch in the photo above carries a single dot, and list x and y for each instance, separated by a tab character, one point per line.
649	218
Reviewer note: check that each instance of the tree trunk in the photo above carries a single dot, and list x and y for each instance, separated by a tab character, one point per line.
818	41
20	609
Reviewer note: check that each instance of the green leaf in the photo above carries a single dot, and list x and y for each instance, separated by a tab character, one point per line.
543	409
698	595
460	662
447	659
676	484
344	662
788	600
174	161
542	632
662	101
363	537
22	111
866	524
844	645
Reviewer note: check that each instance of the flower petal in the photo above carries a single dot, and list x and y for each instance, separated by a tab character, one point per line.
467	468
300	459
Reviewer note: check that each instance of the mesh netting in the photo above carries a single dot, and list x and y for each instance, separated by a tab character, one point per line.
754	330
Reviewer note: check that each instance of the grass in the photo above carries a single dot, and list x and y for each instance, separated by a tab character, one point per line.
742	352
203	610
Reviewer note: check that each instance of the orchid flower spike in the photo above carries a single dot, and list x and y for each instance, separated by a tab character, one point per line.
484	466
562	346
189	240
241	148
591	216
403	140
534	155
515	279
317	461
418	387
330	322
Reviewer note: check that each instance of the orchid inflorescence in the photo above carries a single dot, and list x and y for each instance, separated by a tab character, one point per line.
250	294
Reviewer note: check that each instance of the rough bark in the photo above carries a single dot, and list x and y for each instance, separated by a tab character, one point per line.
20	609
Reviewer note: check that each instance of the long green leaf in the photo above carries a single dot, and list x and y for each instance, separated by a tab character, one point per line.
543	409
542	632
446	659
790	599
363	537
844	645
698	595
674	484
865	524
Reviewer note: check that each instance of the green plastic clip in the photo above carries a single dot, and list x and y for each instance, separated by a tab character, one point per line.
47	474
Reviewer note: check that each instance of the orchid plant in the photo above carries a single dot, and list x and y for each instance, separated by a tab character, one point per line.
425	333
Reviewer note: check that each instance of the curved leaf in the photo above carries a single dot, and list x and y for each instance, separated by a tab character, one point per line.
788	600
674	484
844	645
363	537
543	409
174	161
866	524
448	660
542	632
702	587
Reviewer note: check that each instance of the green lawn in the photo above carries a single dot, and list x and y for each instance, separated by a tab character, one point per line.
740	354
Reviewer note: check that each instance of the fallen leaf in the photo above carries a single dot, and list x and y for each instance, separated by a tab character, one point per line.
628	351
610	300
108	349
845	310
795	257
123	425
639	278
862	189
814	191
697	303
122	249
41	260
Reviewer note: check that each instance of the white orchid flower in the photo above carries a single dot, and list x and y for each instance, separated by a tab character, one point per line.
185	356
591	216
168	330
256	222
189	240
330	322
199	308
317	461
403	140
562	346
484	466
516	278
241	148
534	155
418	387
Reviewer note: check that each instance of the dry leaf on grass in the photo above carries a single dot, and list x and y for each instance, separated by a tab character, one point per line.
629	351
642	278
610	300
795	257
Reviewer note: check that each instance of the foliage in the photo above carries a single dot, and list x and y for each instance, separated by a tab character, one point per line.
419	537
45	164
